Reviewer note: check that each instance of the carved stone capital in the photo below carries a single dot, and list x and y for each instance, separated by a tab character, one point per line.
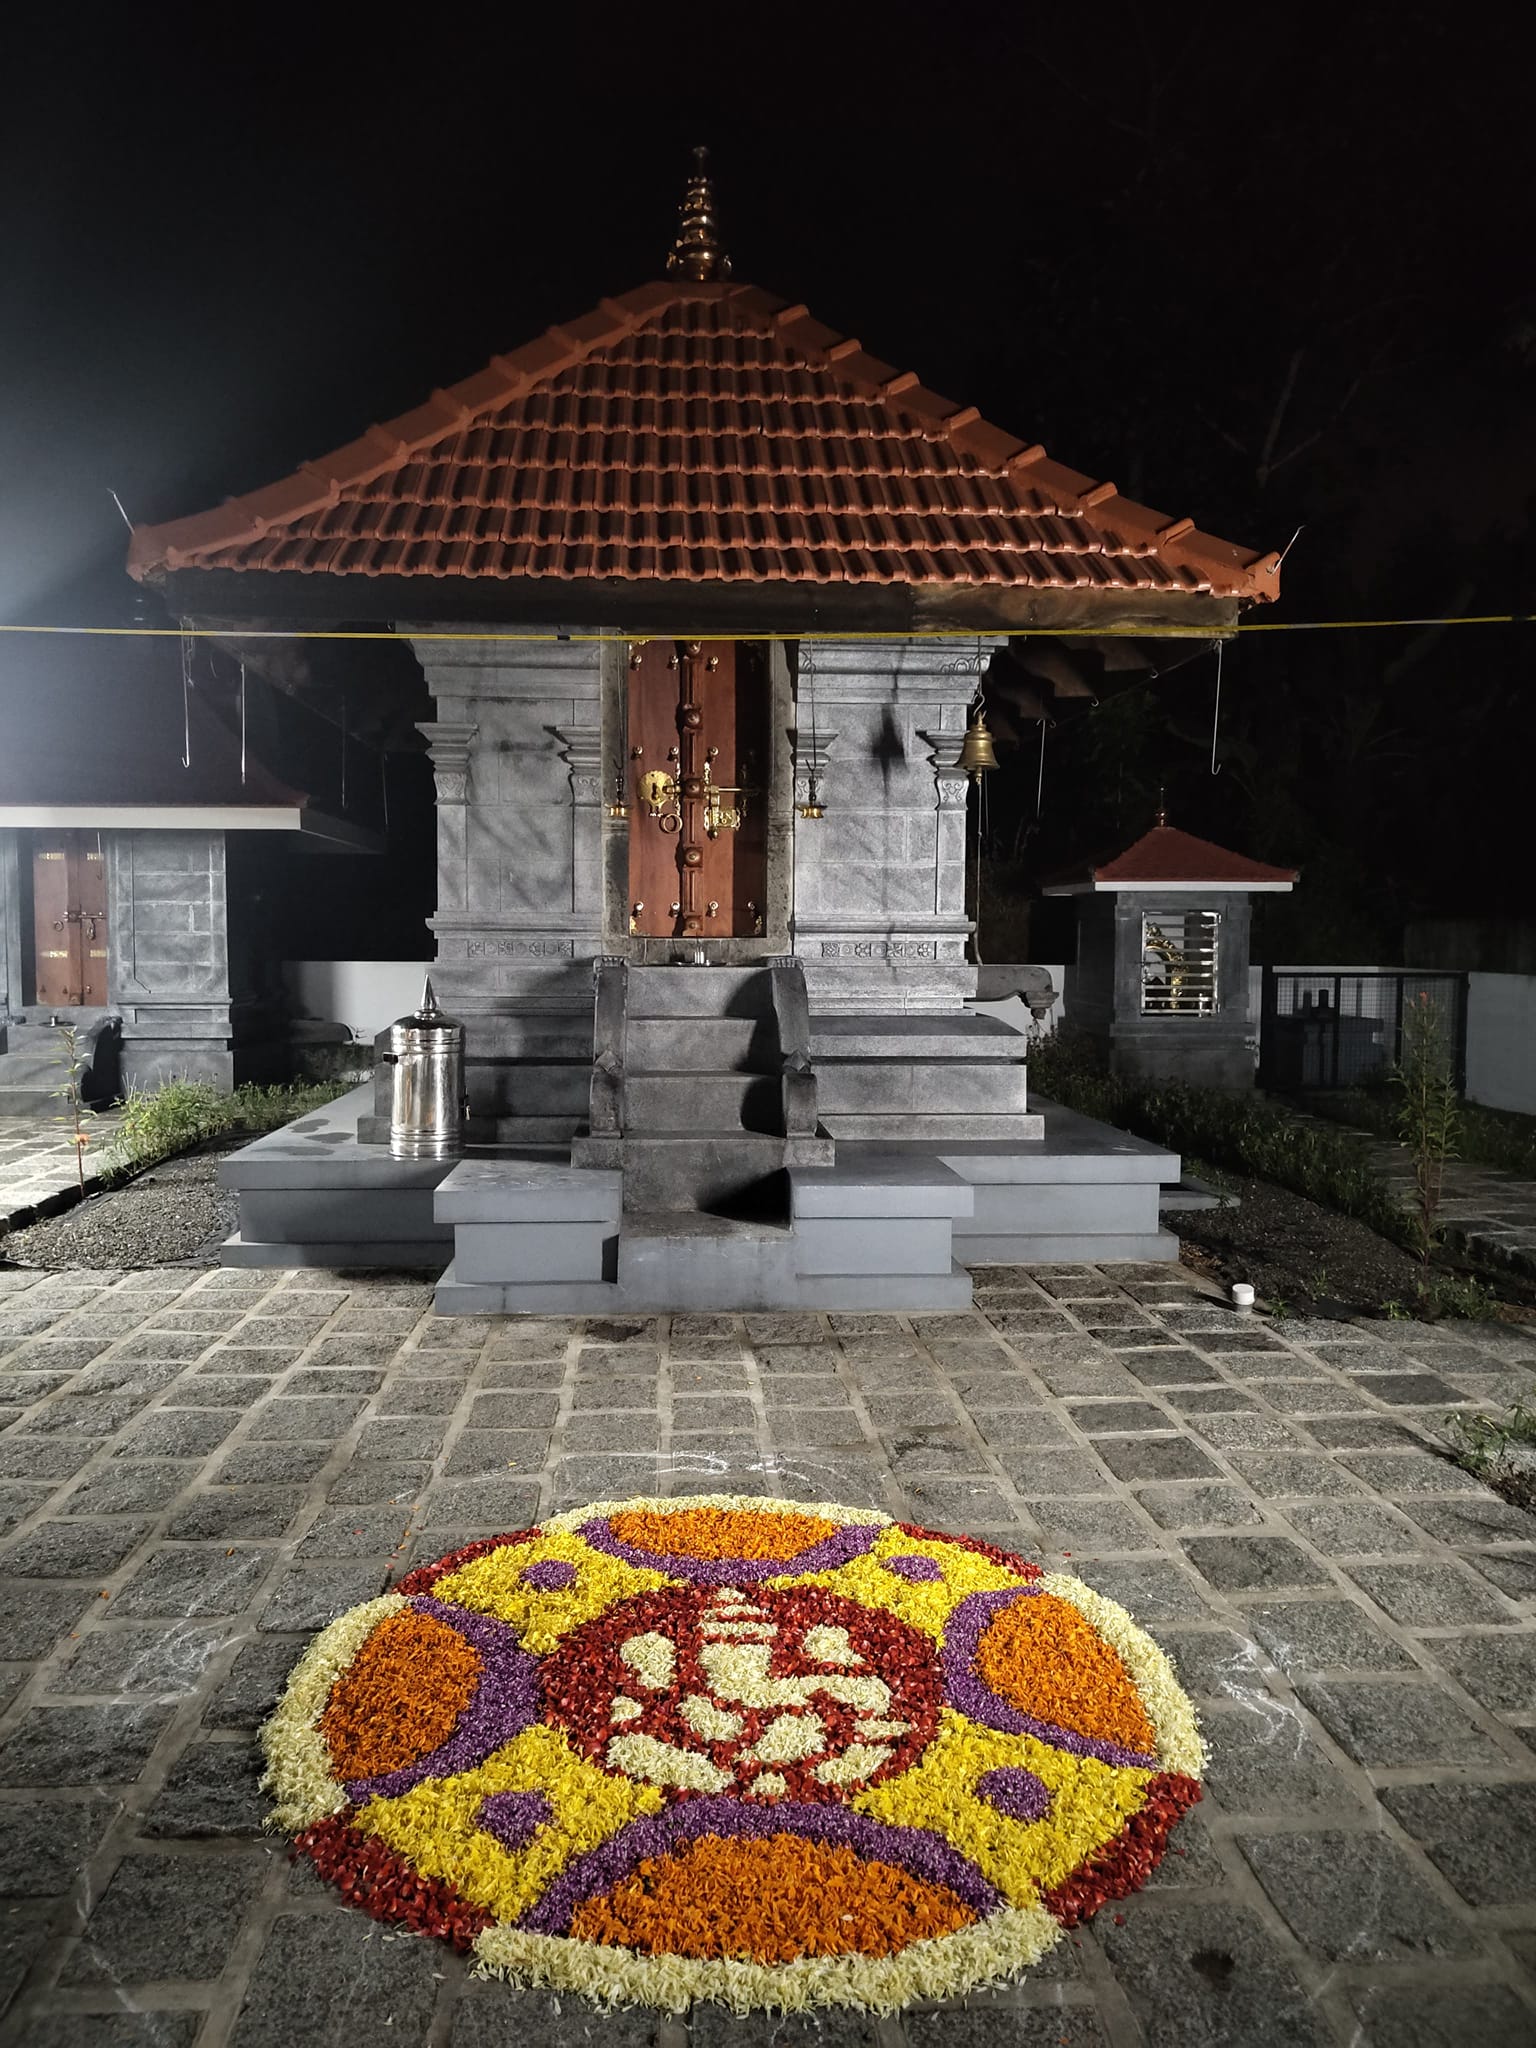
809	753
581	748
450	747
952	780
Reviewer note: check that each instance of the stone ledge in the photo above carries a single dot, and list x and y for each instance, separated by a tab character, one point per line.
528	1191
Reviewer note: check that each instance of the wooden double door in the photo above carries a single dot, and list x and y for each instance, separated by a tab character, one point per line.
698	763
69	920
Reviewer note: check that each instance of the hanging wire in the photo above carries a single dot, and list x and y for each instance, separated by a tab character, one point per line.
1146	631
1040	778
242	725
812	805
186	698
384	784
1216	710
976	924
343	751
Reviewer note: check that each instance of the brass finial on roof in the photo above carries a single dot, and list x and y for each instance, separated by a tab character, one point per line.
697	253
1162	808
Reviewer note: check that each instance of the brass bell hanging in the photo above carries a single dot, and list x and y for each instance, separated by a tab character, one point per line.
977	756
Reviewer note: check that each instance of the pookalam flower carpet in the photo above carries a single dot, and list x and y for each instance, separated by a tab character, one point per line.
765	1753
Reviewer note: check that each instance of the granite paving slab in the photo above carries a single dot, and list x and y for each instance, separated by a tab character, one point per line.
202	1467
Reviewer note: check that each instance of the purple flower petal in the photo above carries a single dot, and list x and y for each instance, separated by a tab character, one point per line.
909	1566
550	1575
1015	1793
514	1818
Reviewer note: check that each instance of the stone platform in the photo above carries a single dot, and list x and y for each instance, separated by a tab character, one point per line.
860	1235
888	1226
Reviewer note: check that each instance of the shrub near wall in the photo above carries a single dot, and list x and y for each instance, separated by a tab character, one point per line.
1246	1133
162	1122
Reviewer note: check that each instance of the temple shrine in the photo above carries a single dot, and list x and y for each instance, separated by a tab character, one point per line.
708	599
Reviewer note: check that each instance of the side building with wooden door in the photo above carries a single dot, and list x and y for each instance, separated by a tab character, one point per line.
132	904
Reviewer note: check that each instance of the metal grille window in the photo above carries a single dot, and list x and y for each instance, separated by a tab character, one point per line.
1178	962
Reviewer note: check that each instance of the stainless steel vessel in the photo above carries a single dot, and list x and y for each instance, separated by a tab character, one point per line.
427	1102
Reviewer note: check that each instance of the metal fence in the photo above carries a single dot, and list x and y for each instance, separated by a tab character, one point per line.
1322	1029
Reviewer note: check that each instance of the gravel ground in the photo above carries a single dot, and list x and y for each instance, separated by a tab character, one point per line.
1298	1253
174	1214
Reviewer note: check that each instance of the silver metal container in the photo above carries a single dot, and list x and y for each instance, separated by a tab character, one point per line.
427	1102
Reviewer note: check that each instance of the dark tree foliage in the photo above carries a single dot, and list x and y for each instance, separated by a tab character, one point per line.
1265	267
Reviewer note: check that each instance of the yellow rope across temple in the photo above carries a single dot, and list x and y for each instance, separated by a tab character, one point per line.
626	633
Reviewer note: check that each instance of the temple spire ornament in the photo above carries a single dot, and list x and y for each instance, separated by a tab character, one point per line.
696	253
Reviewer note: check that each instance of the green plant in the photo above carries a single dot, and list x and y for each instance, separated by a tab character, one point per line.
1428	1122
1483	1443
1499	1452
1457	1295
74	1064
1246	1133
158	1123
1488	1137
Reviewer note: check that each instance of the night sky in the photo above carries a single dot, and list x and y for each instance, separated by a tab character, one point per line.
1127	232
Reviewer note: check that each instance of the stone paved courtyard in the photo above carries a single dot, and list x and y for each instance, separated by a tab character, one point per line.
37	1165
198	1468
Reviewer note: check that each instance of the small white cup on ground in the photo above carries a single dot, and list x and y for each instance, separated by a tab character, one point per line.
1242	1294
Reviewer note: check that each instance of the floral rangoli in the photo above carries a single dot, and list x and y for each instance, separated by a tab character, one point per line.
737	1749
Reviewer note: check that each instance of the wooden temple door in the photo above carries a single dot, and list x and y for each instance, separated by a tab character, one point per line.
698	758
69	920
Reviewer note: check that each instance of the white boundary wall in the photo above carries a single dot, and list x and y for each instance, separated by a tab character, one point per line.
1501	1041
365	995
1501	1028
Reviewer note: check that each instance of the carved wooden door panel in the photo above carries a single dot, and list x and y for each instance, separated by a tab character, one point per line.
698	759
91	883
56	921
69	917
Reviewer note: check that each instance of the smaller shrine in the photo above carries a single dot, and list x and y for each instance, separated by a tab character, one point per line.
1161	982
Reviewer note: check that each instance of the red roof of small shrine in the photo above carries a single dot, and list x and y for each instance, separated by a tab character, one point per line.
703	432
1168	858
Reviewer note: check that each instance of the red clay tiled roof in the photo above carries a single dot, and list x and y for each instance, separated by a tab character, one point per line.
1165	854
703	432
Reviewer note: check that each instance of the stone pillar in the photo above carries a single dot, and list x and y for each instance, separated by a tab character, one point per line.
516	751
581	747
879	900
168	956
448	748
12	966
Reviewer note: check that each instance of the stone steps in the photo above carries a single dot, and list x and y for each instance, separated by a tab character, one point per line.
734	992
541	1238
715	1044
732	1171
679	1103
